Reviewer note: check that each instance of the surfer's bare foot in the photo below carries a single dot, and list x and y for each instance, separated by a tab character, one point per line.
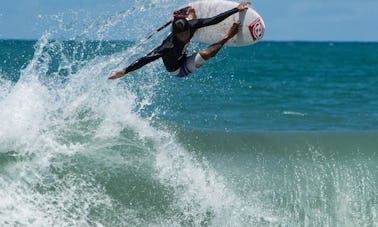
232	31
191	13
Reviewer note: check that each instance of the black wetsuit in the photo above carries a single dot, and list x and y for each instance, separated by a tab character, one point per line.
172	50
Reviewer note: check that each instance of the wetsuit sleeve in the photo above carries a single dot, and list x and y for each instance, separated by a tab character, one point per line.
199	23
152	56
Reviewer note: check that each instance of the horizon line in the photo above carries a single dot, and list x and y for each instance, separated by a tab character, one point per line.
261	41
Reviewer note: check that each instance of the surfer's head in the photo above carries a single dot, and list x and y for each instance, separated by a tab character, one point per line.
180	28
180	25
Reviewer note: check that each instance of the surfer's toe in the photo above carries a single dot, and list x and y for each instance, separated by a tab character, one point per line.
191	13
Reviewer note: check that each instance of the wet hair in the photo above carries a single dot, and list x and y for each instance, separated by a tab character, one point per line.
180	25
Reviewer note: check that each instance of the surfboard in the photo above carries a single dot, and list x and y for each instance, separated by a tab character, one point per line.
251	30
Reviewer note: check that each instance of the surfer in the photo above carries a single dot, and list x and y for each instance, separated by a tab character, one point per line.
173	49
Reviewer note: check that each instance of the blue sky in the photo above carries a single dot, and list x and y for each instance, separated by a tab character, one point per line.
329	20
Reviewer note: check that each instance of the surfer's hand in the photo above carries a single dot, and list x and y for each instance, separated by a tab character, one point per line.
243	6
118	74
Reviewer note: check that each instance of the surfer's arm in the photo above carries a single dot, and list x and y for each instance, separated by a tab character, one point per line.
152	56
203	22
199	23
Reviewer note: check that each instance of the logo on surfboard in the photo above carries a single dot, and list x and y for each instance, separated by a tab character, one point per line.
257	29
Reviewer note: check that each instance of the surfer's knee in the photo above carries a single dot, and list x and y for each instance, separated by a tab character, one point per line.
206	54
195	61
191	64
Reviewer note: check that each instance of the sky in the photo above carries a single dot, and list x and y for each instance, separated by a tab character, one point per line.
287	20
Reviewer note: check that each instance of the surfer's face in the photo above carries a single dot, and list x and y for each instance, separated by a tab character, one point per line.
184	36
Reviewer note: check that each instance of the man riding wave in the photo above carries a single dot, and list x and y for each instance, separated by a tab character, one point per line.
173	49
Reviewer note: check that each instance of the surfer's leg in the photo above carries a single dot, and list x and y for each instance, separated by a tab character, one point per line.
195	61
213	49
192	63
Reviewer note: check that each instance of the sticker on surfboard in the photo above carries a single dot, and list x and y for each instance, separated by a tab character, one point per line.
257	29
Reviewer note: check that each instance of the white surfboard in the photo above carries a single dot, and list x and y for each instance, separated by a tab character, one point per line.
251	30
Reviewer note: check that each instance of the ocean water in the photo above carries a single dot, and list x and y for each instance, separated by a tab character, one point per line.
275	134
